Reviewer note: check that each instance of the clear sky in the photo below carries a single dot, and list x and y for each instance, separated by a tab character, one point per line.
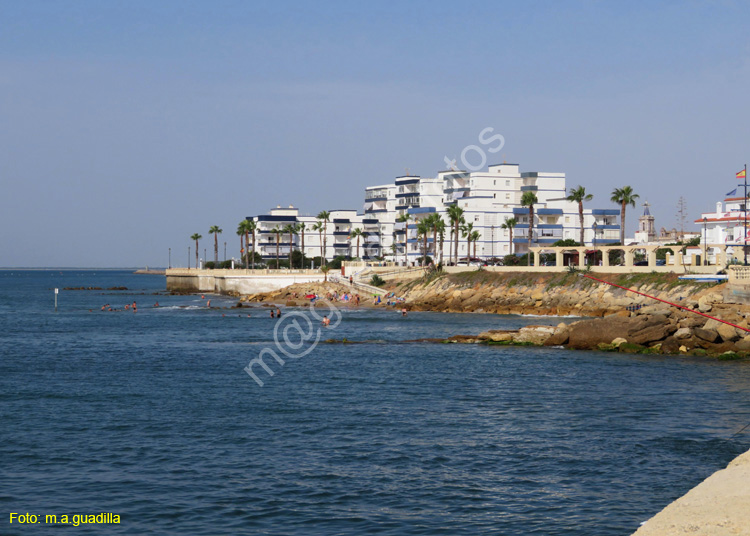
125	127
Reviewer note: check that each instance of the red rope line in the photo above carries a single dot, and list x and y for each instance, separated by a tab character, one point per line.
667	302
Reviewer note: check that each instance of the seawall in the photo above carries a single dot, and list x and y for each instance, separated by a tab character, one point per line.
718	506
237	282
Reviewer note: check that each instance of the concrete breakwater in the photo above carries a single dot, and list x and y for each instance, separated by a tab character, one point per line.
718	506
237	282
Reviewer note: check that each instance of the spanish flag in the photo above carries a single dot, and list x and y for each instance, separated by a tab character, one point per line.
741	174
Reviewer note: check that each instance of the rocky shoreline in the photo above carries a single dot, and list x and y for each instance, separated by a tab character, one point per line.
619	321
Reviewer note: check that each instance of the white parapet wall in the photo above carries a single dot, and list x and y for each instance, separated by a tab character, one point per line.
237	281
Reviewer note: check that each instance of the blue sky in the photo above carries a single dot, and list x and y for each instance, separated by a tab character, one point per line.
126	127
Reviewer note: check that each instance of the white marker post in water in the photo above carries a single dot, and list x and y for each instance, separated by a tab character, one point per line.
56	292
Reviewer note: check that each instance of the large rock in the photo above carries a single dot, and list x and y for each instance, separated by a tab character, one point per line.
534	334
728	333
559	337
707	335
683	333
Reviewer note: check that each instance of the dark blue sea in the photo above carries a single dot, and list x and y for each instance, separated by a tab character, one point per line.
150	416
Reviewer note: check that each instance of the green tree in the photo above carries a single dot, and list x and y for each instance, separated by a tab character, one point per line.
318	226
325	217
301	231
291	230
277	231
623	196
475	238
439	227
423	229
529	199
216	230
509	224
404	218
456	218
251	227
466	231
196	237
579	195
356	233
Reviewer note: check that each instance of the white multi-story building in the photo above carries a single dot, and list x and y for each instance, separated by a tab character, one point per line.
337	238
488	199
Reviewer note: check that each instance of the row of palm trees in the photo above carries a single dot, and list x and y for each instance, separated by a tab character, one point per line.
432	224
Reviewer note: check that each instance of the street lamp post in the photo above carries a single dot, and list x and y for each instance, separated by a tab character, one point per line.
188	257
225	252
705	239
170	258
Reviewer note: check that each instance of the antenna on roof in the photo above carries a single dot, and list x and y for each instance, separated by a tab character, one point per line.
407	171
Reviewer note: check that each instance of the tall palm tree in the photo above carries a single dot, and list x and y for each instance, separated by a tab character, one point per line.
440	228
241	234
250	227
432	222
509	224
291	230
357	233
528	199
277	230
474	238
216	232
623	196
318	226
243	231
196	237
325	217
404	218
579	195
301	230
423	229
456	217
467	230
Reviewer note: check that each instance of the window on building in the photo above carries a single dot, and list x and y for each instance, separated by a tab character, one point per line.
567	219
507	197
494	183
494	196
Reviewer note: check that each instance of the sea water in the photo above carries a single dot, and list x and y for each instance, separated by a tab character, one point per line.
151	416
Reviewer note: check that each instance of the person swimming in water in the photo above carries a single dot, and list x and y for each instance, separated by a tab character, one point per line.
278	313
272	314
326	321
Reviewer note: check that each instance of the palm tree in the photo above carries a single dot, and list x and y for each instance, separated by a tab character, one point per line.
356	233
509	224
579	195
241	234
318	226
474	238
196	237
216	231
404	218
325	217
528	199
277	230
423	228
301	230
250	227
623	196
440	228
456	216
432	222
467	230
291	230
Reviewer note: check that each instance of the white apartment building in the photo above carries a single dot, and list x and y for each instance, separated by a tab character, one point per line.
488	199
337	238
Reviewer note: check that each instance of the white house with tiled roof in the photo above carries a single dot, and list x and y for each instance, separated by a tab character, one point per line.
726	225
